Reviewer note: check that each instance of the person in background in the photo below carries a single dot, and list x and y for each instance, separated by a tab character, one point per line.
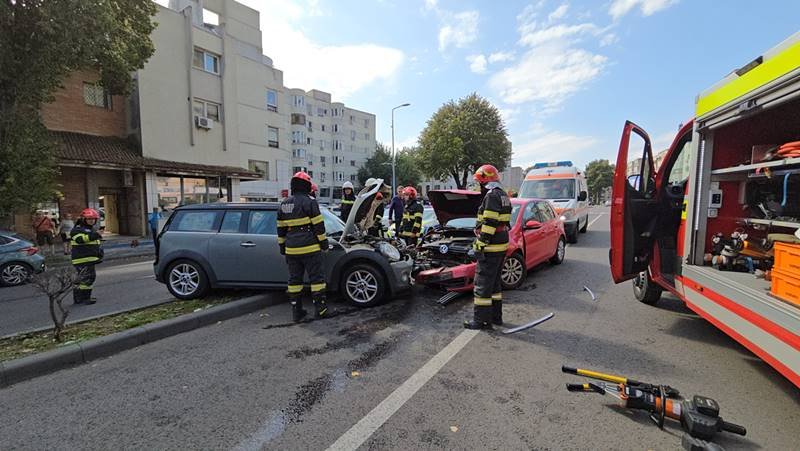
314	191
64	229
155	216
411	226
348	199
86	254
396	210
45	229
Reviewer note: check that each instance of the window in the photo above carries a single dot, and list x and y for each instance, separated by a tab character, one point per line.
323	127
196	221
309	109
353	163
335	112
298	119
272	100
263	222
321	112
206	109
96	95
206	61
366	136
325	192
308	141
352	119
322	161
337	159
232	222
210	18
336	128
311	174
272	136
339	176
299	153
352	135
310	126
322	178
337	145
299	100
352	177
545	213
298	137
366	123
262	167
299	169
321	144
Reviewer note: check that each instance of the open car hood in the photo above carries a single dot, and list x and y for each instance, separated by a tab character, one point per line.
455	203
361	207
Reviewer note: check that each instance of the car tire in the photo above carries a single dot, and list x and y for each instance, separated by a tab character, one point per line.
13	274
560	253
585	225
186	280
363	285
513	272
572	235
645	290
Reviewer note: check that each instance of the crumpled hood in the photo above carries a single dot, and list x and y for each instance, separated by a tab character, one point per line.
361	207
455	203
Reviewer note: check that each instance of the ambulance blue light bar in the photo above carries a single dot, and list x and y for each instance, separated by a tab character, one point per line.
553	164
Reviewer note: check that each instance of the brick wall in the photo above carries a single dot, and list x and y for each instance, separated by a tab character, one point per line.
69	112
73	187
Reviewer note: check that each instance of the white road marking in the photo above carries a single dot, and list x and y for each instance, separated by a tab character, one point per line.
595	219
361	431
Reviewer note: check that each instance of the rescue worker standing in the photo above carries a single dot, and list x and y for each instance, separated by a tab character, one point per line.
314	191
411	226
86	253
302	238
490	248
348	199
377	224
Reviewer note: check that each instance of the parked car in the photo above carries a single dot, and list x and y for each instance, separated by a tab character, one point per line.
19	259
445	259
235	245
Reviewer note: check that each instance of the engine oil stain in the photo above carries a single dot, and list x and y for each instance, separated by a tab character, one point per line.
306	396
374	354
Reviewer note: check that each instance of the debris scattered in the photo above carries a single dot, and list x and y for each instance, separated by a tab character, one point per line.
453	428
355	374
530	324
585	288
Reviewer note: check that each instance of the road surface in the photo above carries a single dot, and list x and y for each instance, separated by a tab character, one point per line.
406	375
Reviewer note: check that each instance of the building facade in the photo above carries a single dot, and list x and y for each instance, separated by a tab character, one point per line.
511	179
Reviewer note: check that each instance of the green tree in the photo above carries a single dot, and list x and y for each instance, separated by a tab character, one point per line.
460	137
41	43
380	166
599	175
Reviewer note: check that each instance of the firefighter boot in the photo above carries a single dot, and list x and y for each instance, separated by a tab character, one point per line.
497	311
482	318
321	306
297	310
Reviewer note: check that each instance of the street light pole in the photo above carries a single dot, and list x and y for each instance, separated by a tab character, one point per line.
394	156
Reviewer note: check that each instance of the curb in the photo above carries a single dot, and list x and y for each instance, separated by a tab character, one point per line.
25	368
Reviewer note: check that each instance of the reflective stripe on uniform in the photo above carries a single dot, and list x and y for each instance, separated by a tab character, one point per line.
322	237
495	247
497	297
347	202
488	229
417	215
489	214
411	234
95	242
294	289
78	261
303	250
483	301
281	240
294	222
317	287
317	219
84	286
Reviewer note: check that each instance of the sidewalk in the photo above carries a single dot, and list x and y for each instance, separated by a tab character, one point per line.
115	248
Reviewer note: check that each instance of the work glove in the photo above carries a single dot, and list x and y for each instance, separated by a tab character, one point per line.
478	245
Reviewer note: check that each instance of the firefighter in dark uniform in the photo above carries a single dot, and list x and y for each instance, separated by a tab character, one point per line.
348	199
490	248
86	253
301	237
377	224
314	191
411	226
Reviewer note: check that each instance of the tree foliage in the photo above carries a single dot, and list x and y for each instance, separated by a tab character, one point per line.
599	175
460	137
380	166
41	43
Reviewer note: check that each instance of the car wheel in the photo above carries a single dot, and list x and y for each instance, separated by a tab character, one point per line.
513	272
572	235
645	289
187	280
14	273
561	252
585	225
363	285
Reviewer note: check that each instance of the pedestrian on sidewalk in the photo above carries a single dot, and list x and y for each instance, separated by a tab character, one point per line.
153	220
86	253
45	230
396	210
64	230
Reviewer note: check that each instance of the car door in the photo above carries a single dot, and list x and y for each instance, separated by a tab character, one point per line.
267	265
228	247
551	234
533	237
634	207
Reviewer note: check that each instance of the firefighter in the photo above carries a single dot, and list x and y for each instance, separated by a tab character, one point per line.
412	217
377	224
490	248
348	199
301	237
86	253
314	191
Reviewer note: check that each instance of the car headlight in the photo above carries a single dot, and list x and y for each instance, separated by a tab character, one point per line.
389	251
563	218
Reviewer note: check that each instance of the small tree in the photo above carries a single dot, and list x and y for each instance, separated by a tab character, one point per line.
56	285
599	175
380	166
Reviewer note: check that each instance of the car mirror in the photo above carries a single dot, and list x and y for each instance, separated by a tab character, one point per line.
582	196
533	224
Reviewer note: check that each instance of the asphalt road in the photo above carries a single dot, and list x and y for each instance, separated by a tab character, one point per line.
119	287
407	376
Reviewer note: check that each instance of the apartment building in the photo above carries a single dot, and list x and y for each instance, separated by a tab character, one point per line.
511	179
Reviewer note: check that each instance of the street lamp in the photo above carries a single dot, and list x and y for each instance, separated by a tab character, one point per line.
394	157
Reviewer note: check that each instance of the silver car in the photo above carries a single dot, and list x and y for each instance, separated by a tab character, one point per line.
235	245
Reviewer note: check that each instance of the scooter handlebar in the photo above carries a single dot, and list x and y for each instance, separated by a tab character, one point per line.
733	428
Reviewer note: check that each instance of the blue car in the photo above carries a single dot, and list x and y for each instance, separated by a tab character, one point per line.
19	259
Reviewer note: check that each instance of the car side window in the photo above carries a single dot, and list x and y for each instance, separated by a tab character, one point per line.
196	221
232	222
4	240
530	213
263	222
545	214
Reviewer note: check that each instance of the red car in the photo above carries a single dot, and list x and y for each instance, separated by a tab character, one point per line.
445	261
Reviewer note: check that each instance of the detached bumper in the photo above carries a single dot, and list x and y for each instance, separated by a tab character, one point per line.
455	278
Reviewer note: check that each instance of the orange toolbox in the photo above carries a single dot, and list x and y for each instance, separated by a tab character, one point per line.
787	259
786	286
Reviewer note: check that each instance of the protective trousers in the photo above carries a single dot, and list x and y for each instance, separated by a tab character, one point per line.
299	265
488	290
86	277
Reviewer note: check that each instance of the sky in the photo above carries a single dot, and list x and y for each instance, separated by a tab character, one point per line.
565	75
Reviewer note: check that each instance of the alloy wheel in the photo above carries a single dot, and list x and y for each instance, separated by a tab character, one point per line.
14	274
512	271
184	279
361	286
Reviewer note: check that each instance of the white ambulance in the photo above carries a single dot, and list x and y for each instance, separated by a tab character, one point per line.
565	187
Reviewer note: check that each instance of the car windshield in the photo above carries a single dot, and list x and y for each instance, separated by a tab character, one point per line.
428	215
469	223
548	189
333	224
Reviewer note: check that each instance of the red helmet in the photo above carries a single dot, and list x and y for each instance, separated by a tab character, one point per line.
90	213
410	191
379	196
486	173
302	176
314	187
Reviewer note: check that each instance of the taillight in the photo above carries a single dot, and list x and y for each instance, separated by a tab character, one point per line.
30	250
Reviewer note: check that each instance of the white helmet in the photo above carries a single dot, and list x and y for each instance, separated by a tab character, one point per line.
346	185
370	181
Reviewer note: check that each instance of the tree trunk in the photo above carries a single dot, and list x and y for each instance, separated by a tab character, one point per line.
57	326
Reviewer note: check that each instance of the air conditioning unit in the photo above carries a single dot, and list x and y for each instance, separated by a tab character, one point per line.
204	122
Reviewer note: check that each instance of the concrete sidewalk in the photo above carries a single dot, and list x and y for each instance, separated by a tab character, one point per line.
114	249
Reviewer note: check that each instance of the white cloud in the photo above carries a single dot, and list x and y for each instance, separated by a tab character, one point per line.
547	74
501	57
458	30
552	146
307	64
477	63
558	13
431	4
620	8
539	36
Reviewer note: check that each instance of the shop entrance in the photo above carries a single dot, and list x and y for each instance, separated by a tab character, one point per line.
109	212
